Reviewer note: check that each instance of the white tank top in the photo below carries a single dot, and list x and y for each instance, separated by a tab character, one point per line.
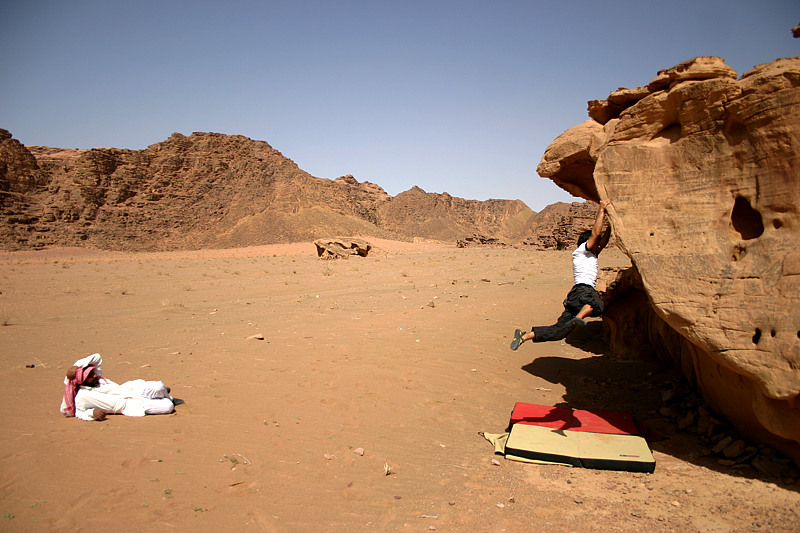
584	266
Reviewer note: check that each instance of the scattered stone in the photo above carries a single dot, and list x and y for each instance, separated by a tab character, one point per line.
703	425
687	420
735	449
668	395
722	444
668	412
257	336
766	466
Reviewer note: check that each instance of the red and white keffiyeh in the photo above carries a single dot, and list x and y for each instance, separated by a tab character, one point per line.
71	388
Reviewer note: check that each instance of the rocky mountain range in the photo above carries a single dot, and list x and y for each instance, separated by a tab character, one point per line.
211	190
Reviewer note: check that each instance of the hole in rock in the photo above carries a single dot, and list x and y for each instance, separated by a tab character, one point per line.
757	336
745	220
735	131
672	133
772	333
777	224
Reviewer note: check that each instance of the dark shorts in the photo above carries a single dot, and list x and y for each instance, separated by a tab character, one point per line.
577	297
581	295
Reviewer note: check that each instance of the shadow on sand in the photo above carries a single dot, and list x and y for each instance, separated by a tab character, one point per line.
607	383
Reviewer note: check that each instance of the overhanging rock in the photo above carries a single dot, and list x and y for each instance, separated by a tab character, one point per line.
704	174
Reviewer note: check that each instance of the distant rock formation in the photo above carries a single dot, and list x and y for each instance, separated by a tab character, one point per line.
480	240
704	174
558	226
341	248
416	213
214	190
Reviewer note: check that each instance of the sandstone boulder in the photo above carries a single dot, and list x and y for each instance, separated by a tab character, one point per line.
703	175
341	248
699	68
568	160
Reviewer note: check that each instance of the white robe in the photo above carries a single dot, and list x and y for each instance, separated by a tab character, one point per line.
132	398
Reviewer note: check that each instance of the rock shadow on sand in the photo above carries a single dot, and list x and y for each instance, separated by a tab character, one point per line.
604	382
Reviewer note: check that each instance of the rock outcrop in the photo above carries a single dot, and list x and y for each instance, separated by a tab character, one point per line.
559	225
417	213
704	173
214	190
341	248
480	240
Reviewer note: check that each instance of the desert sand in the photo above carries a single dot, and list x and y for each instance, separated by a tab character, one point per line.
360	410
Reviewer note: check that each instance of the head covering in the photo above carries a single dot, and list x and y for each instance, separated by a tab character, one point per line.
71	388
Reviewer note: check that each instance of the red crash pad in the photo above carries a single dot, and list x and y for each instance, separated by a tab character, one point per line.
573	419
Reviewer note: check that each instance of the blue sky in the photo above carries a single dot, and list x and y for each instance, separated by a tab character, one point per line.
453	96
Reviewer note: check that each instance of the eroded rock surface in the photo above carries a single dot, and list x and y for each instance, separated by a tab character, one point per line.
704	173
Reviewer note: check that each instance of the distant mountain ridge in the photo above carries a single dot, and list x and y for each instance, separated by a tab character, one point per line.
211	190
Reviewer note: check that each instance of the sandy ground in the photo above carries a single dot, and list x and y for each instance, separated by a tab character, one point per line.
403	354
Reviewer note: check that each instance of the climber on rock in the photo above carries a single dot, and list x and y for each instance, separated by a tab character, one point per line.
582	300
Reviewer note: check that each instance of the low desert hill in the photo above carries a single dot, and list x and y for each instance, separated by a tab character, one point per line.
210	190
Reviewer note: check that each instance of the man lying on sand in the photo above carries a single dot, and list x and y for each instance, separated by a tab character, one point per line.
90	396
582	300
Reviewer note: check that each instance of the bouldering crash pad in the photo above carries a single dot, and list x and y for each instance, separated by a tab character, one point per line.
603	451
605	440
573	419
